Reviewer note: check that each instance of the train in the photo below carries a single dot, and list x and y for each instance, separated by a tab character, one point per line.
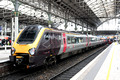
37	45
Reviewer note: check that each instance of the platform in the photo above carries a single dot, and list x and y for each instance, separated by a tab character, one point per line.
4	55
106	66
3	47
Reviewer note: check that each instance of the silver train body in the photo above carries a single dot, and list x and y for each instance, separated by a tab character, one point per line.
37	45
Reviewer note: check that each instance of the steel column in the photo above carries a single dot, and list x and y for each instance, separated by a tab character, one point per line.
66	21
12	39
5	24
75	25
16	13
82	28
87	28
49	13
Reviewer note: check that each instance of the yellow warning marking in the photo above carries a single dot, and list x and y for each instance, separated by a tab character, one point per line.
108	74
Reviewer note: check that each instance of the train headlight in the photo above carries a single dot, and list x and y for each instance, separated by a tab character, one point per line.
12	50
32	51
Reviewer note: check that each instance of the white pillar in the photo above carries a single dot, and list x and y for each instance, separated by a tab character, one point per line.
5	33
16	27
12	37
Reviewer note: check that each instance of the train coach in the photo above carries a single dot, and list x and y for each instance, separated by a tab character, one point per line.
37	45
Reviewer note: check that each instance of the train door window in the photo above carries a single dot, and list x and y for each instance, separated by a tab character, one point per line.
64	40
98	39
69	40
93	39
77	40
81	40
85	39
73	40
47	36
59	36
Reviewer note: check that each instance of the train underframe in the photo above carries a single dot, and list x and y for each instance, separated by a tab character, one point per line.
30	61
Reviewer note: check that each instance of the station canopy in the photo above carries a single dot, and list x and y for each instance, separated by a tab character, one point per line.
91	12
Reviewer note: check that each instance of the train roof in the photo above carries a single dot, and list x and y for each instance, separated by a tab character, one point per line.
91	36
67	32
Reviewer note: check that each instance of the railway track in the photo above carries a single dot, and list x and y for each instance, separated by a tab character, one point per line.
72	70
5	67
55	71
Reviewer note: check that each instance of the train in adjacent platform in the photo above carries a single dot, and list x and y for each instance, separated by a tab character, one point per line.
37	45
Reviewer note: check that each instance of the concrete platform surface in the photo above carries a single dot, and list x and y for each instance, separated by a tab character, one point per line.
4	55
7	46
106	66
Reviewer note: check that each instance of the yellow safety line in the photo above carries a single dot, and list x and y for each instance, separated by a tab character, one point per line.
108	74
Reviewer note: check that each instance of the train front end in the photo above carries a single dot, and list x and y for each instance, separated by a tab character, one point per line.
24	47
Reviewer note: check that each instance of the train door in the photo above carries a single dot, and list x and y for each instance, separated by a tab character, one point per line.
52	45
45	43
43	48
89	41
55	42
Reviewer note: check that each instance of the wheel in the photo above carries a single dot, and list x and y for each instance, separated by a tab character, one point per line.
51	60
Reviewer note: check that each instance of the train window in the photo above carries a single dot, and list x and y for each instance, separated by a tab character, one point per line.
69	40
28	35
81	40
46	36
93	39
98	39
59	37
77	40
73	40
64	40
85	39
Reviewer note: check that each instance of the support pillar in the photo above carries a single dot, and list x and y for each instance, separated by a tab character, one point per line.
16	27
75	24
82	28
16	13
66	24
12	38
87	29
5	24
93	31
66	21
49	13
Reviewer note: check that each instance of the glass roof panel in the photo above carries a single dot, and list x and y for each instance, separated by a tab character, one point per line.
6	5
102	8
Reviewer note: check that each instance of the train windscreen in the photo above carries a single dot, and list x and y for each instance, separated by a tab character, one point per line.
28	35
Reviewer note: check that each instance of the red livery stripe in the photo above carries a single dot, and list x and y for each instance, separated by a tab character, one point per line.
89	41
64	42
